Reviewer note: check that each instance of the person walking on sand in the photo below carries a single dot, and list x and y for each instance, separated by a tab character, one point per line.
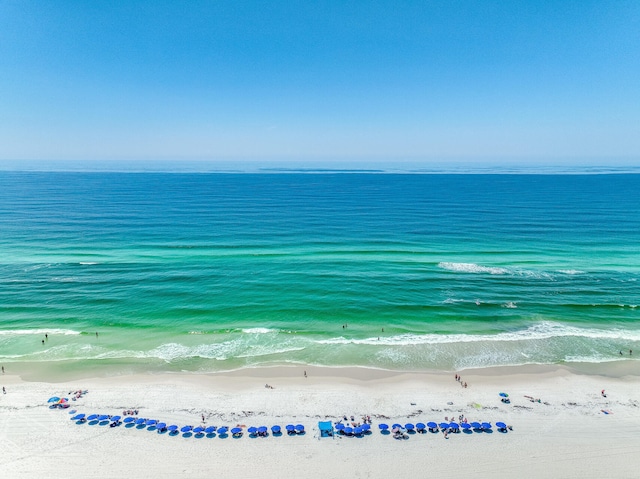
603	394
305	374
4	391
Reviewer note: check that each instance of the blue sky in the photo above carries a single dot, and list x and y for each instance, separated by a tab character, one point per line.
379	80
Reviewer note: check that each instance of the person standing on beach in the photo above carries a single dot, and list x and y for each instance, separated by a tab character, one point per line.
2	369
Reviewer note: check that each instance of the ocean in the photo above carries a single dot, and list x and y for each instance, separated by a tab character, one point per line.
201	272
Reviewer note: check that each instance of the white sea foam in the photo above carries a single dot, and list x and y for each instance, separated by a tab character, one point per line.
87	263
509	305
472	268
571	271
542	330
258	330
40	332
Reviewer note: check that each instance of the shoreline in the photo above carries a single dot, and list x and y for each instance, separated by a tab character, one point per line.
566	430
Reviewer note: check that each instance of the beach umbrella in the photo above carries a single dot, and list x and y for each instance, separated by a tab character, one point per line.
504	395
173	427
486	425
290	428
454	425
263	429
396	425
152	422
236	430
223	430
161	425
476	425
464	425
420	426
93	417
129	419
501	425
299	428
103	417
62	401
366	427
198	429
340	426
348	431
252	430
54	399
275	429
186	428
383	427
444	425
409	427
115	418
141	421
210	429
432	425
357	430
77	417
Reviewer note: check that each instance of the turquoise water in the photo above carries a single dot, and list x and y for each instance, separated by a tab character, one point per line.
208	272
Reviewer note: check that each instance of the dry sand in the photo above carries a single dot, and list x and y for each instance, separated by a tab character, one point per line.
565	435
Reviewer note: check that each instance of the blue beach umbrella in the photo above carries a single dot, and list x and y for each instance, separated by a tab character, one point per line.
504	395
420	426
77	417
210	429
263	429
186	428
141	421
152	422
161	425
222	430
115	418
396	425
501	425
275	429
93	417
236	430
290	428
252	430
54	399
299	428
173	427
409	427
129	419
454	425
444	425
348	431
340	426
198	429
366	427
476	425
486	425
103	417
464	425
358	430
383	427
432	425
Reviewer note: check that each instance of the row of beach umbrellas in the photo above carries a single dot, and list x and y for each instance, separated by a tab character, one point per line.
290	428
442	426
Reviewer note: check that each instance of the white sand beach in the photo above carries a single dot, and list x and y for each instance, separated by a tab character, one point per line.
565	435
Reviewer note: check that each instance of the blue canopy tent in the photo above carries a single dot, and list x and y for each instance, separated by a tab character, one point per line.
326	428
